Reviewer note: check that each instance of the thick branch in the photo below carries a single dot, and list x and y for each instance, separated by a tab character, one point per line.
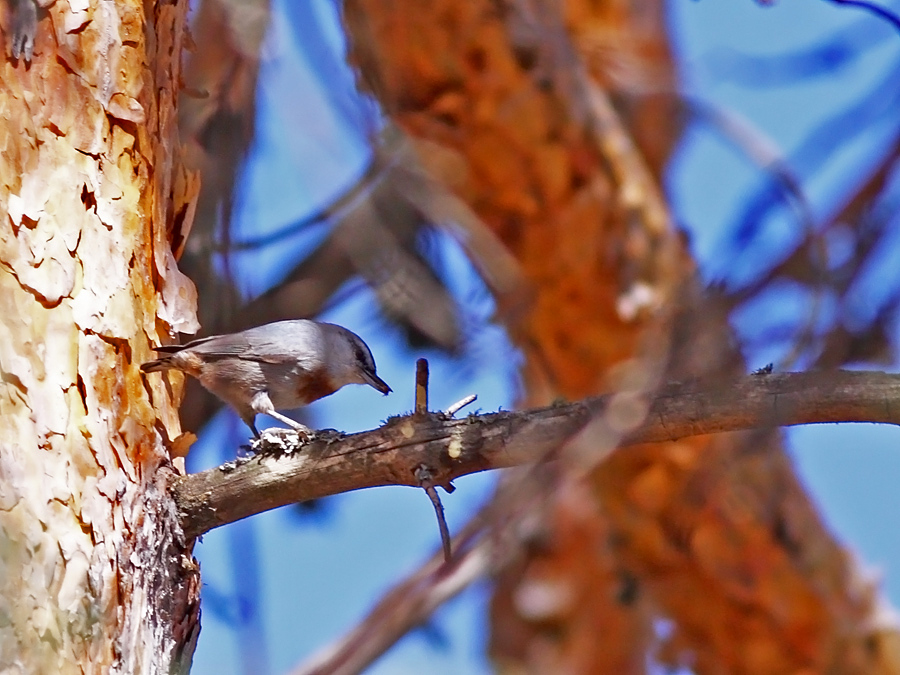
451	448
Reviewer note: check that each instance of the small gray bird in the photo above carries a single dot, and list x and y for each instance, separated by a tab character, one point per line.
277	366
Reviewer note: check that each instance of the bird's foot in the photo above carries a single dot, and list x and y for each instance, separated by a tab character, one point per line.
281	441
305	434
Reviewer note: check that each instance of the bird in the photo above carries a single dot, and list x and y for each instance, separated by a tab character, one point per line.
276	366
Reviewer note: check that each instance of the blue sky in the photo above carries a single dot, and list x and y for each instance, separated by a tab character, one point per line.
312	578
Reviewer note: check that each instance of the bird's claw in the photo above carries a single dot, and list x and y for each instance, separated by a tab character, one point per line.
24	28
305	434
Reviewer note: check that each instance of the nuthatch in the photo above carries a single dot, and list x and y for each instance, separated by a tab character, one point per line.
277	366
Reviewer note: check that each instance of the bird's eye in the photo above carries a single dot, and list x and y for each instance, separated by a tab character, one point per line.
359	355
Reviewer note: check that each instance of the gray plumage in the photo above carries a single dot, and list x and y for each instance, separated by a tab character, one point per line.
277	366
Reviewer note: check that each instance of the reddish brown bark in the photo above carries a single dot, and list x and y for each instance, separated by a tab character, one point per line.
714	533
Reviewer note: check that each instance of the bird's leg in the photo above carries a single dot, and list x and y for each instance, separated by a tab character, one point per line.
262	404
293	424
248	415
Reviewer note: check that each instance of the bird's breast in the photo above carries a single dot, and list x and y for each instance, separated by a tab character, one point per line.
313	386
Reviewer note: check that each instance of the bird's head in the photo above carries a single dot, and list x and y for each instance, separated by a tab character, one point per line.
351	361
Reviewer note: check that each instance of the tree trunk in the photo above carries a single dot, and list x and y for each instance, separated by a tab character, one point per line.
510	104
96	576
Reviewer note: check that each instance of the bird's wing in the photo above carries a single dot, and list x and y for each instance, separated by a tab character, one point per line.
214	346
203	345
283	342
287	341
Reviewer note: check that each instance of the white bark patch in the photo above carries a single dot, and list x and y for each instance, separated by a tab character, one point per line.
178	306
109	44
33	532
77	17
71	594
126	108
36	247
88	535
47	216
112	204
105	304
39	354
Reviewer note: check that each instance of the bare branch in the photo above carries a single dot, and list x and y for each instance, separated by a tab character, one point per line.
421	386
423	473
449	448
459	405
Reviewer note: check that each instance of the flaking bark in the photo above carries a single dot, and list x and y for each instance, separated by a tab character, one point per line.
96	577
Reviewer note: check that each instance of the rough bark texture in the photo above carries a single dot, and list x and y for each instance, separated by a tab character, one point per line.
94	575
495	97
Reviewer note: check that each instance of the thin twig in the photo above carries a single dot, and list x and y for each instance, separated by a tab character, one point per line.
423	474
421	386
880	12
459	405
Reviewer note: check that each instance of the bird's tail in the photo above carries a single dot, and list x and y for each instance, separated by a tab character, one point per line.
164	363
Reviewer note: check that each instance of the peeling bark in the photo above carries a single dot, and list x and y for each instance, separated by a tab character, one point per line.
95	574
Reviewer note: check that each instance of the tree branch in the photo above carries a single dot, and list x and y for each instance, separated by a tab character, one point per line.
390	455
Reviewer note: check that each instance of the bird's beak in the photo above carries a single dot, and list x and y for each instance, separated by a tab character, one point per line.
376	382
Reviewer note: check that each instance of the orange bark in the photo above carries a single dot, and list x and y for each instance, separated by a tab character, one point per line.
95	575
